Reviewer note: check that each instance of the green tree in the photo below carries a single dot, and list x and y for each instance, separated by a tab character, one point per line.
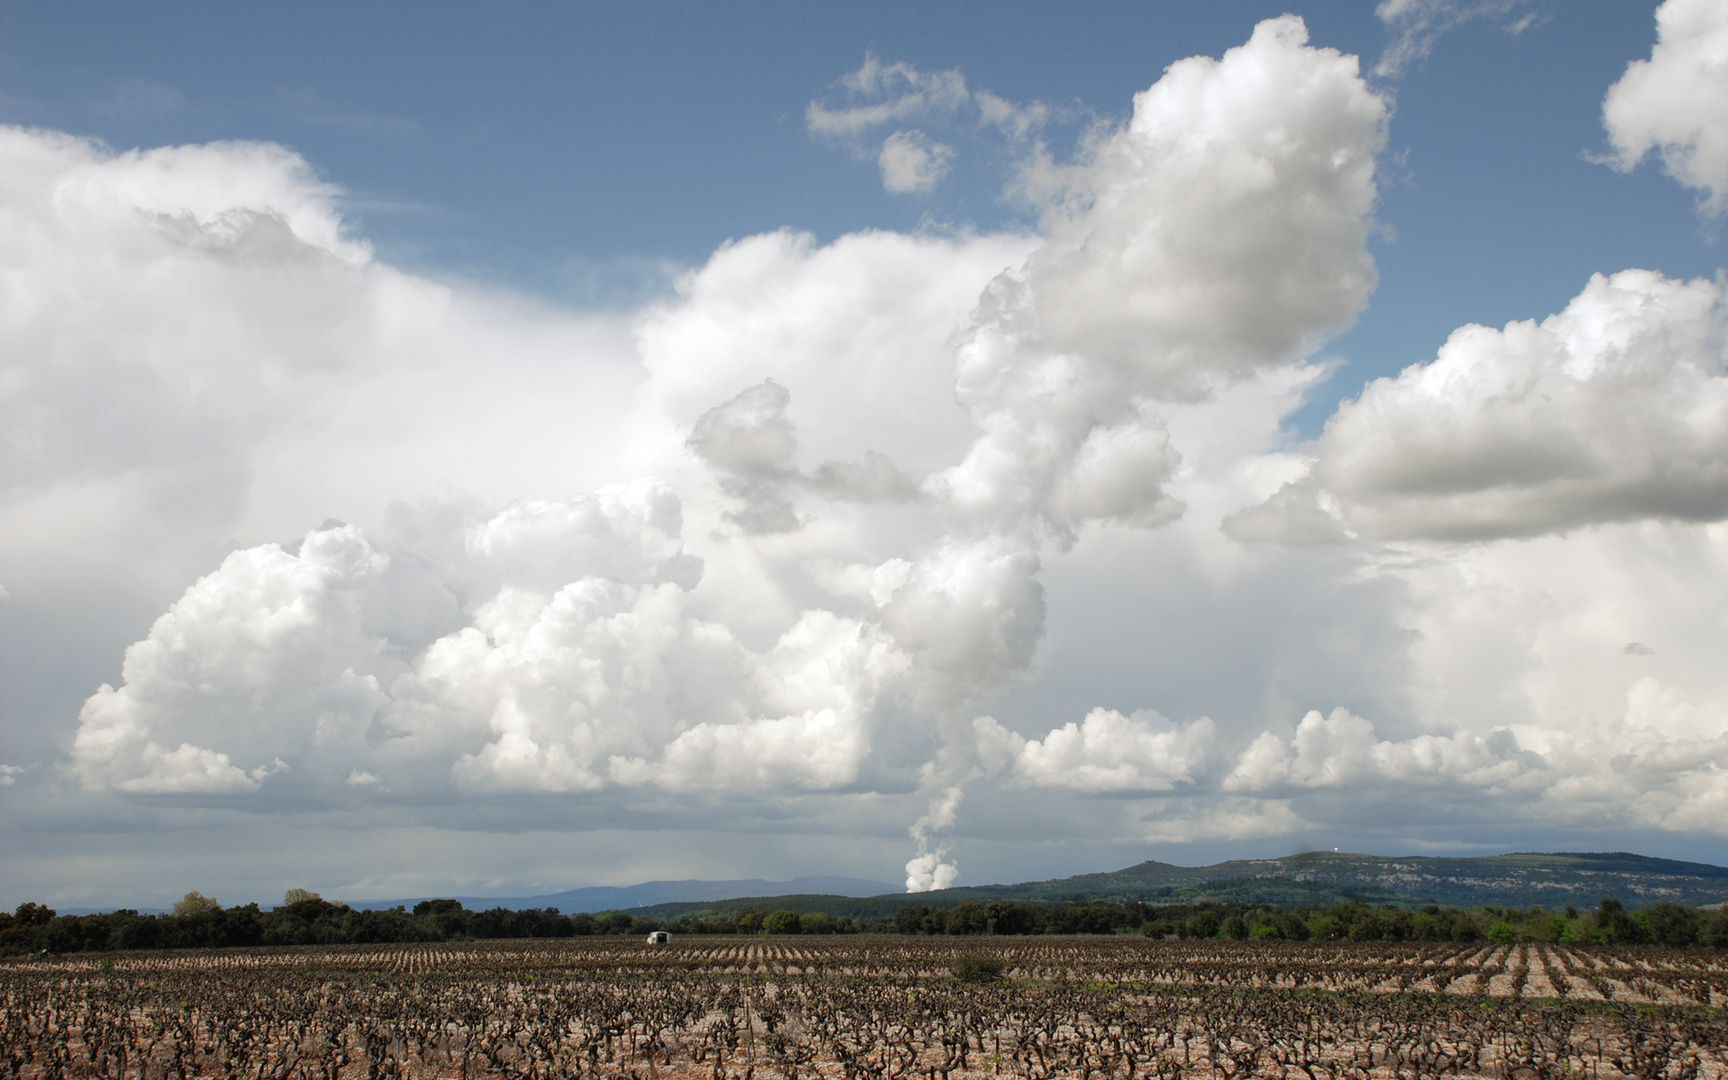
1714	931
782	922
1615	925
31	914
1541	926
966	918
910	920
1204	924
1471	926
1290	925
1366	925
1672	924
1008	917
196	903
1396	924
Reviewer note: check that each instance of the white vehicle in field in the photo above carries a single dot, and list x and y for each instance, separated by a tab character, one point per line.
659	937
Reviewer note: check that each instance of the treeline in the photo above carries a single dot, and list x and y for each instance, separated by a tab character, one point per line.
198	923
1610	924
306	919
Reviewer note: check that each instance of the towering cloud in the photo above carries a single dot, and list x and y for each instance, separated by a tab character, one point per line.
1220	233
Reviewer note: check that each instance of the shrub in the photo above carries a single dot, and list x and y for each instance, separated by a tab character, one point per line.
977	967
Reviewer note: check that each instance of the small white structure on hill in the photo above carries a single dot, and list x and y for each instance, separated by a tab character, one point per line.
659	937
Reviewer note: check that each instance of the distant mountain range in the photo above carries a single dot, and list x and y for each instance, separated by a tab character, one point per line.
652	893
1316	877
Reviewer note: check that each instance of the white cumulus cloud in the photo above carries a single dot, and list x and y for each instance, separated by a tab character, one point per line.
1676	103
1342	749
1222	230
1106	751
267	657
1616	409
1219	234
912	164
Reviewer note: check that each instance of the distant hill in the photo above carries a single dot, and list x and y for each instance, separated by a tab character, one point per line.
651	893
1315	877
1513	880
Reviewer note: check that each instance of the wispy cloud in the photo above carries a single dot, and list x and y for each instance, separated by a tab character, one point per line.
880	95
1416	25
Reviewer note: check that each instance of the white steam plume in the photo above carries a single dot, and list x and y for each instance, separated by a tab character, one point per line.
929	869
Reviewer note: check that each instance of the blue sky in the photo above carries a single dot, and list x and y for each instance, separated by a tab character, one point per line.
543	436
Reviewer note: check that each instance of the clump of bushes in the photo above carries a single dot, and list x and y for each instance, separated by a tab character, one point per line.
978	967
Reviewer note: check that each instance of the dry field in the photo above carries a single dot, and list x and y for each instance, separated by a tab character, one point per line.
802	1008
